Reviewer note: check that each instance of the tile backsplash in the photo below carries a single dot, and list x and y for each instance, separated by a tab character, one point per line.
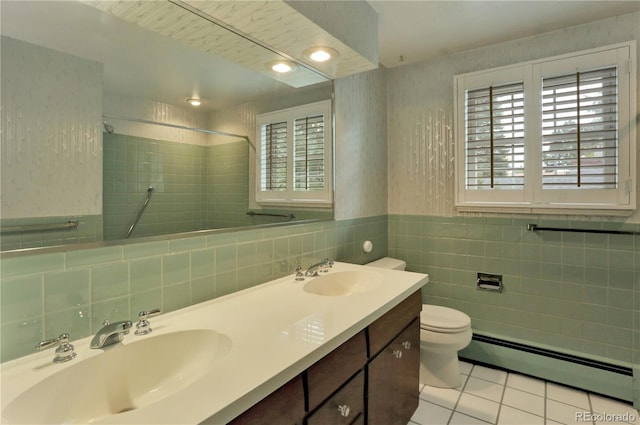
45	295
89	230
568	291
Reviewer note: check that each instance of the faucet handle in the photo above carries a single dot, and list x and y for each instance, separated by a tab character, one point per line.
64	352
143	326
299	273
326	265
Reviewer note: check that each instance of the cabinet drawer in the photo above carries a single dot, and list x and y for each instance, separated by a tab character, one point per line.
393	382
283	406
333	370
346	407
386	328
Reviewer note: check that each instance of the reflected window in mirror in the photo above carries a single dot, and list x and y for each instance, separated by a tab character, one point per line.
293	159
82	150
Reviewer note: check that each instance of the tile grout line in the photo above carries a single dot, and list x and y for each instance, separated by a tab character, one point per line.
545	402
593	421
543	397
504	390
455	406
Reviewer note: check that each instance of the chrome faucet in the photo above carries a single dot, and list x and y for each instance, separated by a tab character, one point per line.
64	352
143	327
110	333
322	266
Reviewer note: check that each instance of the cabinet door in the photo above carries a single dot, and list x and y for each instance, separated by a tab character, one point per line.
393	385
346	407
393	322
333	370
284	406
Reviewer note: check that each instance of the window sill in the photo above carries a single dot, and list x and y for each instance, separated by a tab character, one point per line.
311	205
622	211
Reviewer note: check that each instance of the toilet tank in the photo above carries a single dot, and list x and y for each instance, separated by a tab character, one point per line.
388	263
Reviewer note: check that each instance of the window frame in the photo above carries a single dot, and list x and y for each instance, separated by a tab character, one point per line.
290	197
533	198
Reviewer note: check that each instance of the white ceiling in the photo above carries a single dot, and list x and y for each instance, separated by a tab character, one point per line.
136	61
142	64
413	31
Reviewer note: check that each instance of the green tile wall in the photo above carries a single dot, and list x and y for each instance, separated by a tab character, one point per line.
44	295
176	171
89	230
195	187
227	185
573	292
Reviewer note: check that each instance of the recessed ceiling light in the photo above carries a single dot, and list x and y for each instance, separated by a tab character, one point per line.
320	54
194	102
282	66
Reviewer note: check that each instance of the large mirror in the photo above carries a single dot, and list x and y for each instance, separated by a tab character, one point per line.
97	133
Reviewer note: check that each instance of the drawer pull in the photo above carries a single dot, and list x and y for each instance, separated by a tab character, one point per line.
406	345
344	410
397	354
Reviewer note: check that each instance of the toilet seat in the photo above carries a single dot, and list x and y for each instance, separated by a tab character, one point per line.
436	318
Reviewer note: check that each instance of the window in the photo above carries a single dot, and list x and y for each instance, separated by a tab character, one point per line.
495	137
579	130
553	134
294	156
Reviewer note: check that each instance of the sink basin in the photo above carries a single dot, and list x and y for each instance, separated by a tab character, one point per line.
336	284
121	379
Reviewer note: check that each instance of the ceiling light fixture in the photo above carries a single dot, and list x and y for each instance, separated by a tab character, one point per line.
320	54
282	66
194	102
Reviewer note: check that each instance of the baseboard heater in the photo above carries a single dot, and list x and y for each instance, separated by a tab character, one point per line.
627	371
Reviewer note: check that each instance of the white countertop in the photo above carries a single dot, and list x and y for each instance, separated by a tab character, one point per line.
276	330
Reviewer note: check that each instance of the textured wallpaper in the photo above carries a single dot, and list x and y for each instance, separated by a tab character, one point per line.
51	106
138	108
361	151
420	102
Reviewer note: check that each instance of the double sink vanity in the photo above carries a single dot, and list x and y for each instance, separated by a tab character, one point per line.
339	348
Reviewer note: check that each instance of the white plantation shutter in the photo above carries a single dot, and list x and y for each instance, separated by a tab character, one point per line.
580	130
308	153
293	158
495	137
273	162
555	134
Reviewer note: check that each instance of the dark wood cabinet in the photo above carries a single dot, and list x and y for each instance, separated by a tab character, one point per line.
393	379
373	379
284	406
334	369
387	327
345	407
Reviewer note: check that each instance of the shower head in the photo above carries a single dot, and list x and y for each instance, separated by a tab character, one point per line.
107	127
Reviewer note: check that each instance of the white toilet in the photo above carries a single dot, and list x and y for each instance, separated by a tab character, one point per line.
443	332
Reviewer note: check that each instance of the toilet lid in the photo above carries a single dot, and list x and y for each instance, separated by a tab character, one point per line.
443	319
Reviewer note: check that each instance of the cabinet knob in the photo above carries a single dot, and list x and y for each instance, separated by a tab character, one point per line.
406	345
344	410
397	354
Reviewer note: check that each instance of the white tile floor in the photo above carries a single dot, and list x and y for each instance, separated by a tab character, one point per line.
491	396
